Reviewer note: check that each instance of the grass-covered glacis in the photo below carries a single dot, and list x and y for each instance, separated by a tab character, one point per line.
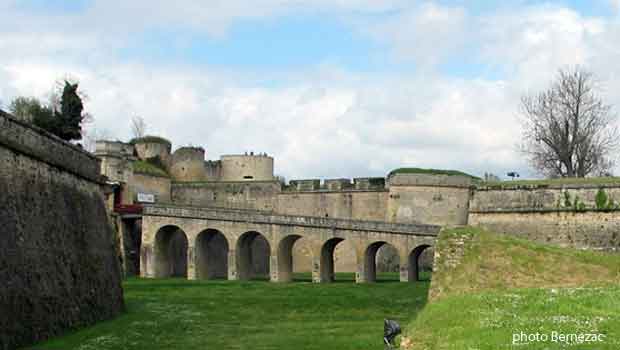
505	288
430	172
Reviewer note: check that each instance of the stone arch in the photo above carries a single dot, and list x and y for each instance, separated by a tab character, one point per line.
285	258
253	256
211	255
345	257
388	258
414	262
370	259
326	264
171	248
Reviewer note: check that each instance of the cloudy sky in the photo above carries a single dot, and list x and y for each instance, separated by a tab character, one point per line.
330	88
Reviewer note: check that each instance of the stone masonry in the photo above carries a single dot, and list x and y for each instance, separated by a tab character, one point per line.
58	262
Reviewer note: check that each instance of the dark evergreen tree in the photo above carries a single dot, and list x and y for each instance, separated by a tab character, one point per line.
70	118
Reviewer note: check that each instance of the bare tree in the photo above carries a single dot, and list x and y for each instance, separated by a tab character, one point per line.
138	126
568	130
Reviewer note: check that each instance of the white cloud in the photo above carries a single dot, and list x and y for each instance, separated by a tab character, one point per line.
428	33
534	42
327	120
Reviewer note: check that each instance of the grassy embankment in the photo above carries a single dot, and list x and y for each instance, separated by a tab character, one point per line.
180	314
505	286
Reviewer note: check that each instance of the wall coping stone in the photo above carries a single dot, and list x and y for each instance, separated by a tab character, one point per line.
39	144
540	210
430	180
292	191
546	187
209	183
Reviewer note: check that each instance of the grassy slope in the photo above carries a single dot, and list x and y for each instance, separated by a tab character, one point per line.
429	172
507	285
500	262
180	314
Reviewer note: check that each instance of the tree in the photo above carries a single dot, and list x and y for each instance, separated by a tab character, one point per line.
64	119
138	127
31	110
568	130
69	120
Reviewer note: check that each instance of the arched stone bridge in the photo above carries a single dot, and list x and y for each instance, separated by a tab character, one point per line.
214	242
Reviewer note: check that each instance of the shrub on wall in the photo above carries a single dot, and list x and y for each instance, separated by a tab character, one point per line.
567	201
601	199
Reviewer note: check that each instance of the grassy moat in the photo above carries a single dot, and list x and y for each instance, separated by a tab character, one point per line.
504	287
180	314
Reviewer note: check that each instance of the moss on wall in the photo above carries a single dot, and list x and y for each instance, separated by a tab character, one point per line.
150	167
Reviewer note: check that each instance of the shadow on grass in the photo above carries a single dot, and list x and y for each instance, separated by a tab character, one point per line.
341	277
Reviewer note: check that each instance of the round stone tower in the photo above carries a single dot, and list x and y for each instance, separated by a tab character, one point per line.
188	164
440	198
153	146
250	167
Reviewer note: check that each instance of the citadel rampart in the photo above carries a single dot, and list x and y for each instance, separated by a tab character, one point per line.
554	213
561	214
58	263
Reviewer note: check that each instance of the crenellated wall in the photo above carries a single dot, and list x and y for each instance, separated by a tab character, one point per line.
213	170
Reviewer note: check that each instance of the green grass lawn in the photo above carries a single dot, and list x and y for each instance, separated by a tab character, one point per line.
181	314
489	320
505	286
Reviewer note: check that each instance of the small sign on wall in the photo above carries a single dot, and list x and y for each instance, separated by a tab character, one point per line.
146	198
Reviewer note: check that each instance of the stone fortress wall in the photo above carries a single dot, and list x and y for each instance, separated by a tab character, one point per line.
58	258
247	182
566	215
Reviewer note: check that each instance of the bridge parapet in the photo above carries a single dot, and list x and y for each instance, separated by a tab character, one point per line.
240	215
